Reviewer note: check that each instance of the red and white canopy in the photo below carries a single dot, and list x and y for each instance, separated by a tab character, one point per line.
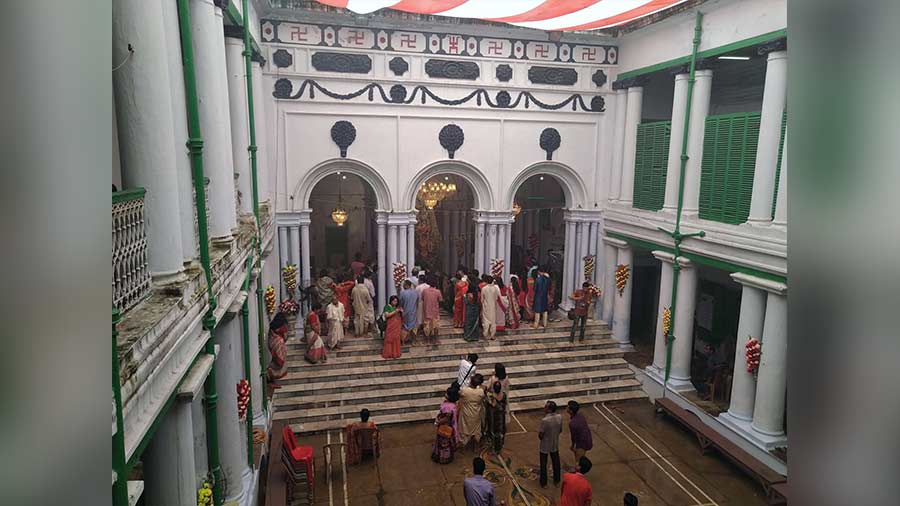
550	15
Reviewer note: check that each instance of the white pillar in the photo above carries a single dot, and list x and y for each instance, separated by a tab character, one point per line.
615	180
228	371
699	111
479	245
501	248
144	120
295	244
455	233
773	103
411	243
383	266
658	369
622	310
209	51
768	410
169	476
305	266
491	247
781	200
507	252
584	238
262	145
750	323
683	345
448	239
240	126
256	391
198	422
632	120
179	134
392	258
569	267
609	281
676	134
402	250
284	245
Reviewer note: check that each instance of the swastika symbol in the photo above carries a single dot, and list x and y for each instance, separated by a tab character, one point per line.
541	50
408	40
589	54
356	37
299	33
495	47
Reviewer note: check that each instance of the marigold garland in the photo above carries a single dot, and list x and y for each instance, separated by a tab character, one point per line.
594	290
753	351
204	495
588	267
289	306
666	321
243	393
622	272
270	299
289	275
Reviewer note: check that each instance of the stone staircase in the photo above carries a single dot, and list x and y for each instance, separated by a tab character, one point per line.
542	365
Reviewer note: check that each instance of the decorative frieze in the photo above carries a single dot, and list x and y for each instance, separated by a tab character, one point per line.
503	72
348	63
398	66
599	78
282	58
452	69
557	76
434	43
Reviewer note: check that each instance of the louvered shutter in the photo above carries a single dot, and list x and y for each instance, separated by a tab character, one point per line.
650	161
726	172
778	167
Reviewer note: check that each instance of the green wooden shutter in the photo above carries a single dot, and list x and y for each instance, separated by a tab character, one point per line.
726	172
778	167
650	161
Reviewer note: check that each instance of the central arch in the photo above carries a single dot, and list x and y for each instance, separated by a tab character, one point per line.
484	198
304	187
572	185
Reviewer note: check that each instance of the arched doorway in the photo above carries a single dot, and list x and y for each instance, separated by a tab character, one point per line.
444	228
342	223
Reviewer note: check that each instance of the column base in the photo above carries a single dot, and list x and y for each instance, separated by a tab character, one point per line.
626	346
759	222
675	384
744	428
168	278
220	241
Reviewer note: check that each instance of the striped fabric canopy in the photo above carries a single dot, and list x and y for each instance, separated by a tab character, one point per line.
550	15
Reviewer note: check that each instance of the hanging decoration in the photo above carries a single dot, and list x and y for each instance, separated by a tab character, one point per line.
588	267
270	300
595	291
433	192
289	307
533	242
622	272
666	321
243	395
289	275
497	265
399	274
428	238
339	215
753	351
204	495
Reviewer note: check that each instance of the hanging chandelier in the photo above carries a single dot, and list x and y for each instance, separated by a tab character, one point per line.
516	209
339	215
435	191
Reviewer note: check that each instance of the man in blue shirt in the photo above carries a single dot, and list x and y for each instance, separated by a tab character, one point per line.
541	291
478	490
409	301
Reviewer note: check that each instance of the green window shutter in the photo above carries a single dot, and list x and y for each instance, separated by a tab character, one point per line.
778	167
726	172
650	163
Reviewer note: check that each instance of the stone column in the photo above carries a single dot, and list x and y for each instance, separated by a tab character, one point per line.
240	126
615	180
622	310
284	245
201	461
683	346
632	120
501	248
383	265
658	369
491	246
780	219
411	243
209	50
256	391
179	134
169	460
568	261
455	233
609	280
392	258
305	265
750	323
295	244
402	250
479	245
774	100
768	410
699	111
144	119
448	236
584	238
262	145
228	371
507	252
673	165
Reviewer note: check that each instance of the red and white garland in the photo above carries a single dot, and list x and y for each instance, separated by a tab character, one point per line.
243	393
588	267
622	272
289	306
595	291
270	299
753	351
497	267
399	274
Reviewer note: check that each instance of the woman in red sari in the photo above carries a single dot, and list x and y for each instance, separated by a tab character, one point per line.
528	302
459	310
512	294
312	329
393	315
342	292
277	347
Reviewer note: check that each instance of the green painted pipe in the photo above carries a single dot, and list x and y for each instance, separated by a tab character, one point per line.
248	64
245	326
195	150
120	487
677	236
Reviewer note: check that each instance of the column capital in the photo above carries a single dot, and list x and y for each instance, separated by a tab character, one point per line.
584	215
616	243
630	82
665	256
400	218
775	46
768	285
497	217
289	218
381	218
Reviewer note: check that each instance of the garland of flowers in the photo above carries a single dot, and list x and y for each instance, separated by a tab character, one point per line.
204	495
289	306
666	321
594	290
243	393
497	267
753	351
289	275
533	242
622	272
588	267
399	274
270	300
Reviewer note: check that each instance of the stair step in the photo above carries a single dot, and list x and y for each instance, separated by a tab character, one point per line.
399	406
436	389
302	428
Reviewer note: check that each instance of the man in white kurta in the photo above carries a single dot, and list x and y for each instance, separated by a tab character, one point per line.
363	315
420	309
490	296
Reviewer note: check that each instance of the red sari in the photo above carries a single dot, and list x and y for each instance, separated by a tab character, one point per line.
512	310
459	309
529	300
392	333
342	292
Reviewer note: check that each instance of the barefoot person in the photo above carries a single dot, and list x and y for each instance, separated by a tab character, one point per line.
409	301
548	434
430	302
362	304
459	292
312	330
334	313
471	411
393	315
582	441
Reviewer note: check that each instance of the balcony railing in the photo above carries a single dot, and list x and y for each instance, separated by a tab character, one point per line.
131	273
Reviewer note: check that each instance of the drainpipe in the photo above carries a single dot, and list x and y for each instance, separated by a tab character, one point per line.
248	51
120	487
195	150
245	324
676	234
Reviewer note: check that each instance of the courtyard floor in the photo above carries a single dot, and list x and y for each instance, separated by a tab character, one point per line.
634	451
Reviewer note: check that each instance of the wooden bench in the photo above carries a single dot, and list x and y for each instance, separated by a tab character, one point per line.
774	484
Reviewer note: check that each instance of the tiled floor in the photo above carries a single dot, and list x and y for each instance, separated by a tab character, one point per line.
634	450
